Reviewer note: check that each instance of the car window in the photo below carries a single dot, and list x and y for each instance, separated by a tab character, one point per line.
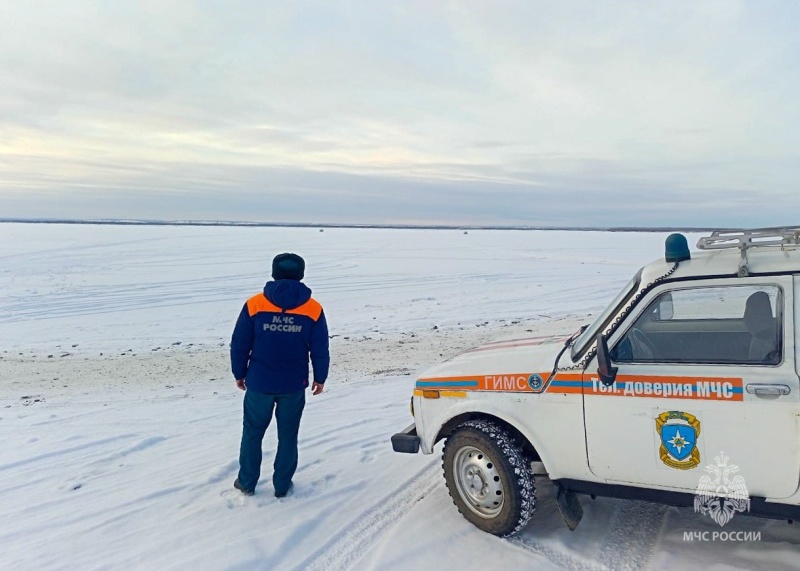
725	325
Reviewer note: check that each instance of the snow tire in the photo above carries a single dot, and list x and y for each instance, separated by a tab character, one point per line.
489	478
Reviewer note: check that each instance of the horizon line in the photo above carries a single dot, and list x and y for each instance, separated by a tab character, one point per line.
325	225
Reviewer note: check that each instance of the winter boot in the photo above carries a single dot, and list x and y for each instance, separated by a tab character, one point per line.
282	494
242	489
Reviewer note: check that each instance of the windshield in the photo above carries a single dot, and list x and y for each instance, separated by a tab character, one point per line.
582	342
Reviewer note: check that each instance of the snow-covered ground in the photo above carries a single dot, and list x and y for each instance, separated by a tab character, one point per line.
120	422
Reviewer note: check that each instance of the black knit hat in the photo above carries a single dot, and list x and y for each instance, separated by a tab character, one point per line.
288	267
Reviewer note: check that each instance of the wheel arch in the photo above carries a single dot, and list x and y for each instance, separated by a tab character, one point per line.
527	446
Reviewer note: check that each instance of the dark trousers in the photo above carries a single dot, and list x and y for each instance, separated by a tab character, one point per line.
258	409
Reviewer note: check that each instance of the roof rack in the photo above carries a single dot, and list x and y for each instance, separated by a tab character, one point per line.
746	239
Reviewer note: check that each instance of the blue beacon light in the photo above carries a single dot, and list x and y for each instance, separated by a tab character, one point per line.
676	248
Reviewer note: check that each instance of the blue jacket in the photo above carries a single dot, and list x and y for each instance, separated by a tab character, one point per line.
274	335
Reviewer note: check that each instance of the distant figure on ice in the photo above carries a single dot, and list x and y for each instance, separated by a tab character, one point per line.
276	332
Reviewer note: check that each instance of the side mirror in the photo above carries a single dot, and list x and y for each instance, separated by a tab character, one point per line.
605	371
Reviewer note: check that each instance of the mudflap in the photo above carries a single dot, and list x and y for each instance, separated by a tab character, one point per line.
569	506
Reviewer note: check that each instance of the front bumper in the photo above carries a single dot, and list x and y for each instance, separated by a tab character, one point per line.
406	441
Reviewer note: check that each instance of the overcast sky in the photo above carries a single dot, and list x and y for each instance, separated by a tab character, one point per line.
673	113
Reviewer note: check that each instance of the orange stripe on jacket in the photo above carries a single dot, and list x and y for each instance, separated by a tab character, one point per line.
259	303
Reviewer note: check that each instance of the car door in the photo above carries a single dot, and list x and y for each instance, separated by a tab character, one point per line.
706	374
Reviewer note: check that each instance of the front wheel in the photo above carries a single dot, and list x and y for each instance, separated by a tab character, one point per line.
488	477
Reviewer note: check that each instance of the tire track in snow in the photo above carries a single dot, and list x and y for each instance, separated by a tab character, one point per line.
629	544
64	451
348	548
554	555
633	538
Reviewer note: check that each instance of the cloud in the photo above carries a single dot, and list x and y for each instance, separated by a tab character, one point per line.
578	112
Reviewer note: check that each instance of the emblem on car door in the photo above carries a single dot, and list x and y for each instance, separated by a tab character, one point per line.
678	432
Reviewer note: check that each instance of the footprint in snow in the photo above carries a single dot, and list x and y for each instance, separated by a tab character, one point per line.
369	451
234	499
315	488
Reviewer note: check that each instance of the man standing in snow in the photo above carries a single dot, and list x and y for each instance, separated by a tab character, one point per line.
276	332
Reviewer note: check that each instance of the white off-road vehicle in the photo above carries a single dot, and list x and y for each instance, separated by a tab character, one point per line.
685	391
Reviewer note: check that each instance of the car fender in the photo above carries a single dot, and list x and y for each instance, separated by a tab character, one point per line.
443	415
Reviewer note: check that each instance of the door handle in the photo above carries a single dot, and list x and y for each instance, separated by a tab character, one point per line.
767	389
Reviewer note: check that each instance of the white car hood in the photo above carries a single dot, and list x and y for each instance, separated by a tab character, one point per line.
507	357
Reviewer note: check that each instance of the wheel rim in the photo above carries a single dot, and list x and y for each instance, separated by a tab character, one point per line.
478	482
